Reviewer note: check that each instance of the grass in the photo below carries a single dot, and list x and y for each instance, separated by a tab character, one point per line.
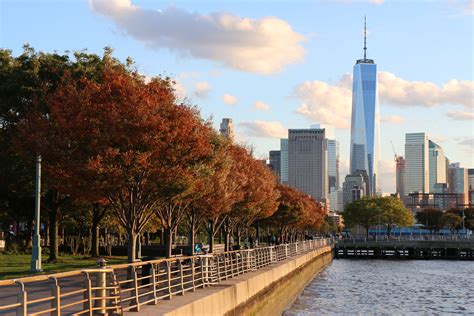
18	265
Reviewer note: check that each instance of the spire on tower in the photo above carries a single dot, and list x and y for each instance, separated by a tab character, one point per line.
365	37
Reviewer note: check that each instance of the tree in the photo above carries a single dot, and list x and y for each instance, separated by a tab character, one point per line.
361	212
450	221
429	217
393	212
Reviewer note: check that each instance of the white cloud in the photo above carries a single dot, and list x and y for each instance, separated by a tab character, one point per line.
271	129
468	142
392	119
229	99
461	115
324	103
331	104
398	91
262	46
469	8
202	89
260	105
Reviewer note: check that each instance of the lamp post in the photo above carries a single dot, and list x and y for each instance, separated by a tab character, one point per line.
36	253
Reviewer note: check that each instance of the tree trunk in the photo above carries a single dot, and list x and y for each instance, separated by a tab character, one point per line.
53	234
95	240
192	228
168	242
211	236
257	237
131	246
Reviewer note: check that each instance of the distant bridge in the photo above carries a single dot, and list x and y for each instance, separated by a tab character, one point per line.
460	249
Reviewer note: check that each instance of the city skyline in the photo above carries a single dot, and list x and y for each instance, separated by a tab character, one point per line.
306	82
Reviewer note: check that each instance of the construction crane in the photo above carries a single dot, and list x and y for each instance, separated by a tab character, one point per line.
394	153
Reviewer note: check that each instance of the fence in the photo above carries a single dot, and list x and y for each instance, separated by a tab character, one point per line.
126	287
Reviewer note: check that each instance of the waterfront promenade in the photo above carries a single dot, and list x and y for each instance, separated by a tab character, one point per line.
131	287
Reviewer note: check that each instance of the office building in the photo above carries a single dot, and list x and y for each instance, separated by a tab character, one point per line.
284	160
333	155
416	163
365	136
400	176
227	129
470	182
336	200
437	165
354	188
307	162
458	183
275	162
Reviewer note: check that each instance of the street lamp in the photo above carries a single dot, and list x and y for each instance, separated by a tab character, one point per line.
36	253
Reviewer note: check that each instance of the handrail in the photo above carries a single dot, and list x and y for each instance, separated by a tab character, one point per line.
124	287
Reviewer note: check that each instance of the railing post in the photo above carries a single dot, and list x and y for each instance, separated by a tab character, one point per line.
22	298
168	276
56	294
286	250
87	305
192	274
101	292
180	263
153	283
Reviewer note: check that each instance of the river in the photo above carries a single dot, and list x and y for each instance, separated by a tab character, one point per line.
386	287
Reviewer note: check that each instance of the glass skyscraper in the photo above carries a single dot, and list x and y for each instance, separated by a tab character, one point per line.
365	130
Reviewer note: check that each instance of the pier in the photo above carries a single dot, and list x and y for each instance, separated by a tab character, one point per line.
405	249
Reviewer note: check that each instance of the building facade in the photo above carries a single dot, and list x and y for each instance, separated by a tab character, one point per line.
227	129
458	183
470	183
400	176
275	162
365	126
354	189
284	160
437	165
416	163
308	163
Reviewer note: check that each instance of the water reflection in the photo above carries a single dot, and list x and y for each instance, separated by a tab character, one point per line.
384	287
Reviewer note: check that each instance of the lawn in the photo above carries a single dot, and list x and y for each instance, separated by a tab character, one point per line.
14	266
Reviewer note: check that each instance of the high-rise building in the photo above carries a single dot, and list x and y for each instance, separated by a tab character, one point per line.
333	155
416	163
365	135
470	182
437	165
336	201
400	176
354	188
227	129
275	162
458	183
307	162
284	160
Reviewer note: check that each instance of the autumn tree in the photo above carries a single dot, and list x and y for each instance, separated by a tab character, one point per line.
429	217
450	221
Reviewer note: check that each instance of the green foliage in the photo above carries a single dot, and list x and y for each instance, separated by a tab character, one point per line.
367	212
450	221
430	218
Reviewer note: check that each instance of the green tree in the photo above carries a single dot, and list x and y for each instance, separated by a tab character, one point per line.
362	212
429	217
450	221
392	212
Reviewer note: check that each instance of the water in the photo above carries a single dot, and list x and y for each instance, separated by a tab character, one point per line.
385	287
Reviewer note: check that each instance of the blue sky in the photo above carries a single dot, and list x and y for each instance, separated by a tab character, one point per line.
293	56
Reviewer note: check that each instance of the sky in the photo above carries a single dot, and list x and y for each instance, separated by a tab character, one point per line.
274	65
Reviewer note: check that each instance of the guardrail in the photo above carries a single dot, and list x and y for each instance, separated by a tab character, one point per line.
126	287
408	238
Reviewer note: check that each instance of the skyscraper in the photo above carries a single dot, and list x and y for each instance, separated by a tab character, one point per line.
458	183
437	165
400	176
417	163
333	155
365	138
227	129
284	160
275	162
307	162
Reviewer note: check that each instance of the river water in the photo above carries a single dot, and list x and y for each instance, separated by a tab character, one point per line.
385	287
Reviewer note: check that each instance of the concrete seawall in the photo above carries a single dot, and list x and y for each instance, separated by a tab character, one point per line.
267	291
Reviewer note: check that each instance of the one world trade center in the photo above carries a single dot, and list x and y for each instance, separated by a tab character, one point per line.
365	138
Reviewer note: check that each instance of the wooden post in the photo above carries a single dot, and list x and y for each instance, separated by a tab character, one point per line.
168	275
87	305
22	298
153	283
56	302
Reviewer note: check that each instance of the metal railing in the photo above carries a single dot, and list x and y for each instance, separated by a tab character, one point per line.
126	287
